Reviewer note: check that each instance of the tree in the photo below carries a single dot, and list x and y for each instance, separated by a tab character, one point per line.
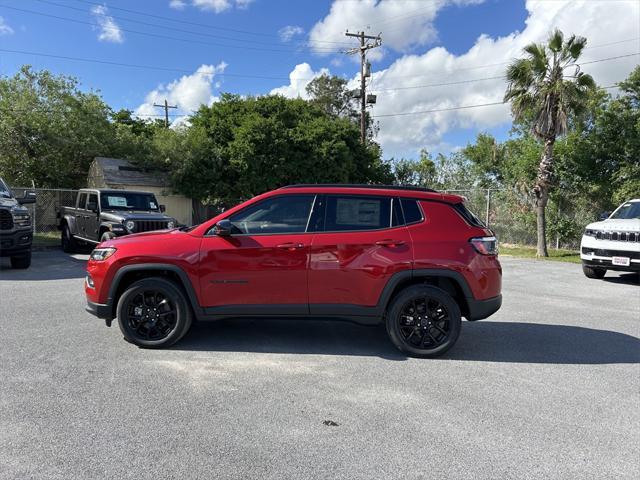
542	93
50	131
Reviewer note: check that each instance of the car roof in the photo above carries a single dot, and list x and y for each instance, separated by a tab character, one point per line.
406	191
115	190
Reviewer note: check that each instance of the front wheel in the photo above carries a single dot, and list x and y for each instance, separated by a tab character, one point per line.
21	261
153	313
594	272
423	321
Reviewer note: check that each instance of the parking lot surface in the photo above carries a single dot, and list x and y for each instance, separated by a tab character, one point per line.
549	387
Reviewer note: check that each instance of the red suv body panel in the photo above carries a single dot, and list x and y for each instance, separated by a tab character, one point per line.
345	273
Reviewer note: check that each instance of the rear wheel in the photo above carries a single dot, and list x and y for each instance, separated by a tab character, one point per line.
21	261
594	272
69	244
423	321
153	313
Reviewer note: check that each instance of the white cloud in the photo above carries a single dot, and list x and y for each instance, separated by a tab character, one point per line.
4	28
299	78
177	4
290	31
109	29
404	23
188	92
216	6
600	22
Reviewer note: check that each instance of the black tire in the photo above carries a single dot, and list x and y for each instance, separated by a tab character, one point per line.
138	326
21	261
594	272
106	236
69	244
435	328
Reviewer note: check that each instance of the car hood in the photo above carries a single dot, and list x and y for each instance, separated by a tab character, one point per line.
124	216
616	225
8	202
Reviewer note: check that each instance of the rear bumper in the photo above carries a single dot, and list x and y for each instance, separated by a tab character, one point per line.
480	309
100	310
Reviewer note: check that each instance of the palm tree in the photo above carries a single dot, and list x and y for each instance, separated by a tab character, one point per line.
542	91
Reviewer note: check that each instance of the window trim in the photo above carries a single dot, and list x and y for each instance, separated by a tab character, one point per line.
314	195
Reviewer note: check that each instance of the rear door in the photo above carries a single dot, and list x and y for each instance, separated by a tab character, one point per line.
363	242
262	267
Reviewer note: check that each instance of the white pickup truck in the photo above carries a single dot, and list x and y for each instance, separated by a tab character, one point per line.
613	243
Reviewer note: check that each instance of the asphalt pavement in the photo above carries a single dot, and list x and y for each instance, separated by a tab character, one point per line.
549	387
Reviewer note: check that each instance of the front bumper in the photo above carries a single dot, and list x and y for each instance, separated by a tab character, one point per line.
100	310
15	242
599	253
480	309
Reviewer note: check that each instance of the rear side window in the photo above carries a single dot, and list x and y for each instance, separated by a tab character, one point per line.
349	213
468	215
411	209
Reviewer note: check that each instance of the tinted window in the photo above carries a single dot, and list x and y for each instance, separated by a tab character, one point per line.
286	214
357	213
396	215
82	200
411	209
468	215
93	201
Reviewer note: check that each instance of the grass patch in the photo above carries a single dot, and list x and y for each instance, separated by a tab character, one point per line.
559	255
50	239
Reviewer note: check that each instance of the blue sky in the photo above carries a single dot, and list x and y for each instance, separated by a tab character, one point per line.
213	43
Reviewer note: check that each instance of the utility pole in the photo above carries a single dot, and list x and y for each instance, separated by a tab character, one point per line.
166	107
364	72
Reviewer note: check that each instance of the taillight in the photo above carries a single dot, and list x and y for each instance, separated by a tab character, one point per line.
485	245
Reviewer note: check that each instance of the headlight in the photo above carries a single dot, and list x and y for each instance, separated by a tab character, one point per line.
170	224
590	233
130	224
101	254
22	219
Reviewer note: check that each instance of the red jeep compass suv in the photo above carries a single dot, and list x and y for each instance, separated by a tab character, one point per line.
413	258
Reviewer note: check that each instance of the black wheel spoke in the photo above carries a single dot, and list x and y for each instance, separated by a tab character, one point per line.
151	315
423	323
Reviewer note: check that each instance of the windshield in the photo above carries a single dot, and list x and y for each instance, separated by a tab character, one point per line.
627	211
4	190
128	201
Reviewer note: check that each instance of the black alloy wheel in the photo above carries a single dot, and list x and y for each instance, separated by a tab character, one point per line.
423	321
153	313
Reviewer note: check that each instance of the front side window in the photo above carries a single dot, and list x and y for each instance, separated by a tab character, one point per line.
350	213
82	200
276	215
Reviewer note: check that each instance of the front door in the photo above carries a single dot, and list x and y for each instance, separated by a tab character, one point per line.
363	243
261	269
92	218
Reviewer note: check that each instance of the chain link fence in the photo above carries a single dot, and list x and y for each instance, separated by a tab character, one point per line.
44	213
507	212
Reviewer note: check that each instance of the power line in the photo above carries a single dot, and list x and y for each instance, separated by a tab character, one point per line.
166	37
182	30
449	109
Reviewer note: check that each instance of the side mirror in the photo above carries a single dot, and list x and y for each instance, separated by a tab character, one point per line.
92	207
223	228
604	215
29	197
163	208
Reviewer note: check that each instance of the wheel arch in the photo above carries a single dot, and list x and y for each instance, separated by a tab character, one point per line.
129	274
448	280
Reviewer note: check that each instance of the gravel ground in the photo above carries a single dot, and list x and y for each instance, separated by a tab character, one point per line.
549	387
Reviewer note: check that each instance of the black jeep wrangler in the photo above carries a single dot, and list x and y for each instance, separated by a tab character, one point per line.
99	215
16	231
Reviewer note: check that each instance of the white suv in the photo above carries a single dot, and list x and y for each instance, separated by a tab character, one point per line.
614	243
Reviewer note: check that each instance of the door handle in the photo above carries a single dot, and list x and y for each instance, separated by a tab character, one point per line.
390	243
290	246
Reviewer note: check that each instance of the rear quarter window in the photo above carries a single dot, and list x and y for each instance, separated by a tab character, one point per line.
468	215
